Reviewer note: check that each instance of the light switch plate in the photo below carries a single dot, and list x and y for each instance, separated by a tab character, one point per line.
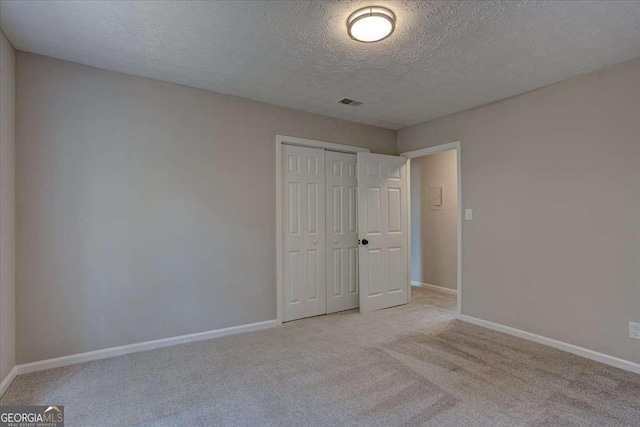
468	214
634	330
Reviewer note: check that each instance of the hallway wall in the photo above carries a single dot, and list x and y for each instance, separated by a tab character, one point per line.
434	230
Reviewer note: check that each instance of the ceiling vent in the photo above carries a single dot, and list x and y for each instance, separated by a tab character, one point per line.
351	102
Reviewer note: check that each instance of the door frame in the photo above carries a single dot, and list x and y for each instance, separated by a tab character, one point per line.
302	142
457	145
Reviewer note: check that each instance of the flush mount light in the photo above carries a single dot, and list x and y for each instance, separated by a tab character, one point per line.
371	24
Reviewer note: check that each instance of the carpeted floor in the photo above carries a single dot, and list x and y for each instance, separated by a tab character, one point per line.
410	365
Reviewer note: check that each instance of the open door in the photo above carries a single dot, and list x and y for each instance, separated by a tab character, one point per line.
383	231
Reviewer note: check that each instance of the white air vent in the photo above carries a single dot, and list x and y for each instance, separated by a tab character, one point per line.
351	102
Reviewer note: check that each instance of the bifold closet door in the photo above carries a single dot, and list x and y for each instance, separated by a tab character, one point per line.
303	232
342	231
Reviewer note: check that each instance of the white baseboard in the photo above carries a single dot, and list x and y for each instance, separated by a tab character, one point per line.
434	287
560	345
6	382
137	347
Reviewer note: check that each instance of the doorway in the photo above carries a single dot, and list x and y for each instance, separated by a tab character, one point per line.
435	206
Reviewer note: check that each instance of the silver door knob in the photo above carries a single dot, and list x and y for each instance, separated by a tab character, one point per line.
315	242
335	241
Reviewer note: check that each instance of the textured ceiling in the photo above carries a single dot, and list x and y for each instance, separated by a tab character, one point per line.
444	56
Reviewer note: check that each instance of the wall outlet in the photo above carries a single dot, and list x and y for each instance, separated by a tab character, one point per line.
634	330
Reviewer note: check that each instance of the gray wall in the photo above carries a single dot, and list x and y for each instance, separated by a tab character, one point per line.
553	177
145	209
434	233
7	207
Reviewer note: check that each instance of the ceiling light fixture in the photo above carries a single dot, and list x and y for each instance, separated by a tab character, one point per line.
371	24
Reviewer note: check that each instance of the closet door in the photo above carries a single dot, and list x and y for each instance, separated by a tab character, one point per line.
342	231
384	230
303	232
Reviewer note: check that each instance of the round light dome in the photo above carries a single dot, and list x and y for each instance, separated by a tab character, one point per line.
371	24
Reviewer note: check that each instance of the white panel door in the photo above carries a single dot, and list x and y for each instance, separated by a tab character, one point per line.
342	231
303	232
383	231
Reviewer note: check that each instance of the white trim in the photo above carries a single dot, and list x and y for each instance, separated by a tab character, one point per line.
408	178
560	345
431	150
279	279
434	287
331	146
142	346
293	140
6	382
457	145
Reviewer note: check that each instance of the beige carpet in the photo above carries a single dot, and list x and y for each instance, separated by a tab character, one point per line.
411	365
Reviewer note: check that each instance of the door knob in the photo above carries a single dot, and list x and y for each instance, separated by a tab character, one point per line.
335	241
365	242
315	242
